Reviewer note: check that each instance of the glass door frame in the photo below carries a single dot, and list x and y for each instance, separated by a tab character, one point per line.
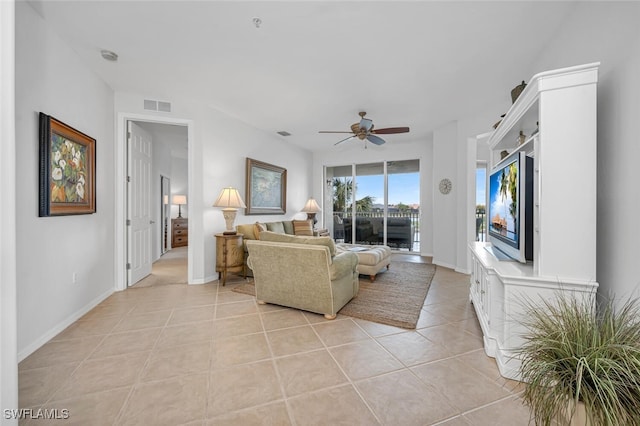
328	190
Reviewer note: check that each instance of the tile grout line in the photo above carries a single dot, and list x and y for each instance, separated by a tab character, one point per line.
351	382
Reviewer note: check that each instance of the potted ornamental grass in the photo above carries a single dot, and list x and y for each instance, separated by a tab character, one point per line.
581	365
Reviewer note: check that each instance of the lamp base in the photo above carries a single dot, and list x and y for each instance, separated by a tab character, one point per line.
312	216
229	214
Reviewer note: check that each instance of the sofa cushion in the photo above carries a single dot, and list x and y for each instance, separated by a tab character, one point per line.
275	227
398	221
303	227
285	238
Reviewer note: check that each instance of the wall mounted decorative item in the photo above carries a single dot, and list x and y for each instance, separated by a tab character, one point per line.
67	169
445	186
517	90
266	188
521	138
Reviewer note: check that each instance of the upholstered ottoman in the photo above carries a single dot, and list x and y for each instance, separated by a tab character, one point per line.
371	259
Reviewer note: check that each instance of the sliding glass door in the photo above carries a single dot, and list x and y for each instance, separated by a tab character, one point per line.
375	203
403	212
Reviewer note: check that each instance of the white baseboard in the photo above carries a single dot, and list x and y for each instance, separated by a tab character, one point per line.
205	280
444	265
31	348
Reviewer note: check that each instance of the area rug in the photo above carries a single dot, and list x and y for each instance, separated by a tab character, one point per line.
394	298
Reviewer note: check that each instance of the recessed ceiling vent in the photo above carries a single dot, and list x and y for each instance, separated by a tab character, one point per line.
283	133
151	105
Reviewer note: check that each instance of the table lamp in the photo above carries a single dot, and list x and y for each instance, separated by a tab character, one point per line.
230	201
180	200
311	208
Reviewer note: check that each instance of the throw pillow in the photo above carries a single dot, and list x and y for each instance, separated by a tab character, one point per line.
257	229
303	227
275	227
248	230
288	227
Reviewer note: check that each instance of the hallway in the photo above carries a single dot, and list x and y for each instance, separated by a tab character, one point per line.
171	268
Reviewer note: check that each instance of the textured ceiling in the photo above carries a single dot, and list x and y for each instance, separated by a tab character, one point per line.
312	66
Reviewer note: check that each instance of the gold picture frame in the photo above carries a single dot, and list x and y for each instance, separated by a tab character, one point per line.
266	188
67	180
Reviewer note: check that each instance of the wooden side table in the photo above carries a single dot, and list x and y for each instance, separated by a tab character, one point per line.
179	232
229	255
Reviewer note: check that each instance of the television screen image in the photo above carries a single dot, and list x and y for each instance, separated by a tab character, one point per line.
504	210
511	208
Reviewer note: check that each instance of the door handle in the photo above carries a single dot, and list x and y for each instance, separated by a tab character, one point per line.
151	222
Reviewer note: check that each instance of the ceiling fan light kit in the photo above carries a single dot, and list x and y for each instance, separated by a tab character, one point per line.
364	130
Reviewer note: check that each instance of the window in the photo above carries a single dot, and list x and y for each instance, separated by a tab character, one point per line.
481	201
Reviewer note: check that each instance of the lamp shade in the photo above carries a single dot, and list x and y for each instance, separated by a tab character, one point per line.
311	206
179	199
229	197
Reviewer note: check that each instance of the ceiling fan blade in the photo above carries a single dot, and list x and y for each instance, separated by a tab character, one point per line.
332	131
344	140
375	139
390	130
366	124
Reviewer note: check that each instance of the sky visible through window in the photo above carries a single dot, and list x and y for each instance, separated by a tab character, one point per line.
481	186
403	188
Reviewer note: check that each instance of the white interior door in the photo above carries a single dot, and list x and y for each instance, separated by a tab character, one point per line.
139	203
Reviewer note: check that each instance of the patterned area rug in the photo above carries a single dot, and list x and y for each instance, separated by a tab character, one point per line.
394	298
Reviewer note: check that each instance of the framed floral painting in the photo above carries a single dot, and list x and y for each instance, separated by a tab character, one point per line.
67	169
266	188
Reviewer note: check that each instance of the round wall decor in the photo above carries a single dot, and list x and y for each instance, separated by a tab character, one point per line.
445	186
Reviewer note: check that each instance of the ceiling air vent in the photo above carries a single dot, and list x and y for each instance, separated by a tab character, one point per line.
151	105
164	106
283	133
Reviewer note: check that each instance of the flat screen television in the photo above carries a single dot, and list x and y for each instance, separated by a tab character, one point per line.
510	219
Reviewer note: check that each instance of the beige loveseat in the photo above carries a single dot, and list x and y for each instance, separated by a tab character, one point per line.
250	232
302	272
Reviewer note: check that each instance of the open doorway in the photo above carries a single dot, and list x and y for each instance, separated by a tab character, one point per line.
146	199
157	154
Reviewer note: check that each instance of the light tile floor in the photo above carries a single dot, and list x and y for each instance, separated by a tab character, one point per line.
205	355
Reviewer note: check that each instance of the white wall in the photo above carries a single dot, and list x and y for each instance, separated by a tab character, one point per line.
610	34
8	328
354	153
50	78
446	206
217	158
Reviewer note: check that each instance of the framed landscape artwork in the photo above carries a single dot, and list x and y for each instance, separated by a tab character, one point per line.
67	169
266	188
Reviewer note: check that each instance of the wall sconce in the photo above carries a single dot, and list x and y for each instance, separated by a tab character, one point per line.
311	208
230	201
180	200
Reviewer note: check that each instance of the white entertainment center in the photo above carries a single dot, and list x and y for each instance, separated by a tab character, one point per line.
559	109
